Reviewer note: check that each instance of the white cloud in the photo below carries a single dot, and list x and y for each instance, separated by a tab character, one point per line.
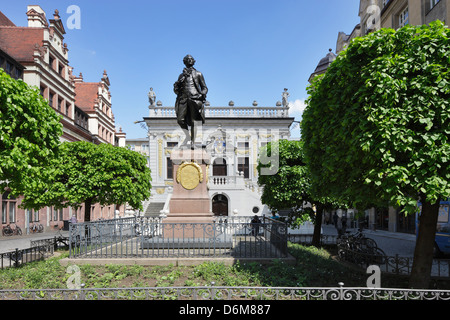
298	106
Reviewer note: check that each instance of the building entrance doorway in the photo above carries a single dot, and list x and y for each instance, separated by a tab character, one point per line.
220	205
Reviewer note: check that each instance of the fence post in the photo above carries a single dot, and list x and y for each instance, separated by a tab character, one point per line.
70	239
16	258
397	269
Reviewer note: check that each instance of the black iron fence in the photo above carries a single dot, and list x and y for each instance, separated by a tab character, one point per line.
19	257
307	239
364	253
56	242
151	237
227	293
392	264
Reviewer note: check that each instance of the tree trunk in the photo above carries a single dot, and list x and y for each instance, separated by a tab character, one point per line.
423	253
317	226
87	210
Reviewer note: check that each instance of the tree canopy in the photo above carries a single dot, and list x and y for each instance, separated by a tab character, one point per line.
86	173
377	123
288	186
30	133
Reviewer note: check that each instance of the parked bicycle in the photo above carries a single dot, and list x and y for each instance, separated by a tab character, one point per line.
362	242
37	228
8	231
61	241
359	249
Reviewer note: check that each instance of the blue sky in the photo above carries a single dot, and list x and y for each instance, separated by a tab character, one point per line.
247	49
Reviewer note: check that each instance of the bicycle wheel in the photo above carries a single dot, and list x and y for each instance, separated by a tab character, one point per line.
18	231
369	243
40	228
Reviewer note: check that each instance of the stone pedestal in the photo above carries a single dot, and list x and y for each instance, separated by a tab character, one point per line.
189	224
190	201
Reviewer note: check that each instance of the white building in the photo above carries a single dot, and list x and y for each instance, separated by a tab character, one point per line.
233	136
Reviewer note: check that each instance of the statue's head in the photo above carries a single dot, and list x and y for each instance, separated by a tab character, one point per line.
189	61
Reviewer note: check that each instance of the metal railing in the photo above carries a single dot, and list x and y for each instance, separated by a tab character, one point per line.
226	293
397	264
393	264
307	239
19	257
152	238
56	241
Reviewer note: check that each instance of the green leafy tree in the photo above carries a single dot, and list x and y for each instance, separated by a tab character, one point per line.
86	173
377	127
287	184
288	187
30	133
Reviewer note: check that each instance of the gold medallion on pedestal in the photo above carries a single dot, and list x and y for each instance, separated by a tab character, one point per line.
189	175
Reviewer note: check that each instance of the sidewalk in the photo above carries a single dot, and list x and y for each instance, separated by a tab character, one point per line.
331	230
392	243
393	235
12	243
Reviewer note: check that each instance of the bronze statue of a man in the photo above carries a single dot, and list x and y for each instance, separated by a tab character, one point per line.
191	93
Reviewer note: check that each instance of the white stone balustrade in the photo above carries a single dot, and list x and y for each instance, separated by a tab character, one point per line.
226	112
226	182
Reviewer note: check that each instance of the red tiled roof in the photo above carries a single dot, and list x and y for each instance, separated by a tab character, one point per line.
4	21
86	94
19	42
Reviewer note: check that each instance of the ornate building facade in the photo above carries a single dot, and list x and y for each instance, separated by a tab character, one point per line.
232	136
38	55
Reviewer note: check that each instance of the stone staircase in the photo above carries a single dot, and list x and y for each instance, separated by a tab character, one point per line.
154	209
